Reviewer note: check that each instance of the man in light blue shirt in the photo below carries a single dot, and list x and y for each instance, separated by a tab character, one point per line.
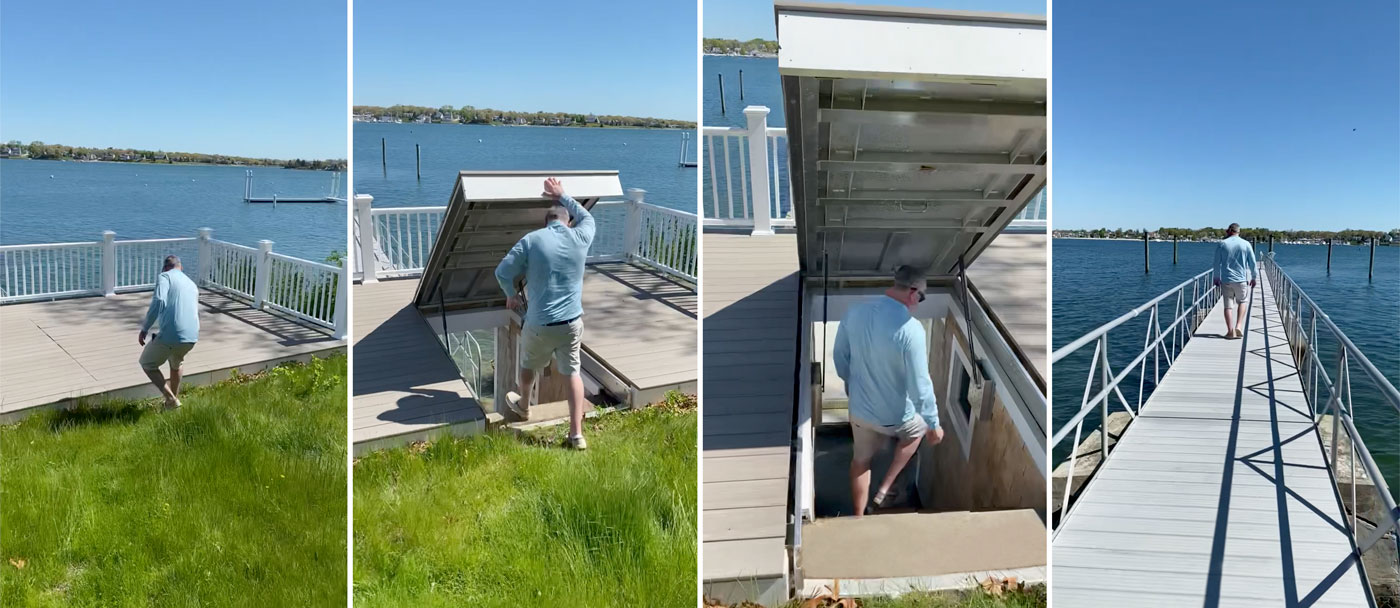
881	353
174	313
551	262
1234	265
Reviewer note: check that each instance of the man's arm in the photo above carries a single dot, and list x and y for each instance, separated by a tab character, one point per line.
1253	266
919	386
583	220
158	299
512	266
1219	264
841	352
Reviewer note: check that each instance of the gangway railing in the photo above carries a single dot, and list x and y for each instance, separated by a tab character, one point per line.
1302	319
302	289
1190	301
650	235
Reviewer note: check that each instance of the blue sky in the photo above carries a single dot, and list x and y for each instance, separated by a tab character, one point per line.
632	57
748	19
252	78
1285	115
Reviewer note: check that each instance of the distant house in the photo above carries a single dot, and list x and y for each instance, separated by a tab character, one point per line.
591	119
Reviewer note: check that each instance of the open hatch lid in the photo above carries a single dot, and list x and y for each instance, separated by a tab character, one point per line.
915	136
488	213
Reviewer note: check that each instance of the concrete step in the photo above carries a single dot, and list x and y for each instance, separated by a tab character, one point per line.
931	550
542	416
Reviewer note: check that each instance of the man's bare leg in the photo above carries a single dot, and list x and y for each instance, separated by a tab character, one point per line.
527	386
1229	323
1239	320
175	374
158	379
575	405
860	485
903	451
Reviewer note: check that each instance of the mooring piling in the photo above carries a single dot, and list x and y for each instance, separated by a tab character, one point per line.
1146	254
1371	272
1329	256
383	162
721	93
1175	239
1271	242
418	153
741	85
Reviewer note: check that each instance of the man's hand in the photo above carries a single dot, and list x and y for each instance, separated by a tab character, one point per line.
141	339
1251	282
514	302
934	436
553	190
1217	281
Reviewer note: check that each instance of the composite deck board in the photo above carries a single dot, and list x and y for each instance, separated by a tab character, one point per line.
637	322
86	347
1213	499
1012	276
751	306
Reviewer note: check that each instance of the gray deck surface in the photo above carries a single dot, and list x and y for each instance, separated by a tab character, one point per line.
751	306
1207	503
1011	274
637	323
87	346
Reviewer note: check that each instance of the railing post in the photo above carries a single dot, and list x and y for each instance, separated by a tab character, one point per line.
109	263
341	291
632	227
758	169
365	244
205	235
262	280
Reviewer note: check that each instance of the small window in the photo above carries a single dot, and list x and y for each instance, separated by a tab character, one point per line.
959	388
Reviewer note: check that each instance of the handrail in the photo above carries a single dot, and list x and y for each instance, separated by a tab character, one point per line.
1313	376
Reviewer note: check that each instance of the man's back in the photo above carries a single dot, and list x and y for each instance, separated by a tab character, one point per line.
552	259
1235	261
877	346
174	310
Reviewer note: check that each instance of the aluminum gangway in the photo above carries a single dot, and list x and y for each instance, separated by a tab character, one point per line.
1222	490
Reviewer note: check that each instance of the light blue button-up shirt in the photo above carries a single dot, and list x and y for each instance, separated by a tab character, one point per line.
1235	261
174	310
881	352
551	259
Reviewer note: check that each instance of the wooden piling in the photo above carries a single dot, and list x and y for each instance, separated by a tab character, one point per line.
1371	272
1175	241
383	163
418	153
721	93
1329	256
741	85
1271	242
1146	254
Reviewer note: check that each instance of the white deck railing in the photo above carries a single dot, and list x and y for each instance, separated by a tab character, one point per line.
309	291
661	238
748	183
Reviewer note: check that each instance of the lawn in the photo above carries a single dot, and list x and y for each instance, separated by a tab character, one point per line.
497	520
236	499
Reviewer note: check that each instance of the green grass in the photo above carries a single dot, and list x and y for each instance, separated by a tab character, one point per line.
494	520
236	499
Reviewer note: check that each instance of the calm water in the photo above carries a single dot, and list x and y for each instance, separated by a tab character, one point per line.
1096	281
645	158
146	201
762	87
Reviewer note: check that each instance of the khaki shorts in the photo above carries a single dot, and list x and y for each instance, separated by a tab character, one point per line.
540	342
1233	293
157	353
870	437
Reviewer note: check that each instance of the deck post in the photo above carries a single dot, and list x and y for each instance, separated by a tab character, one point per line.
342	318
109	263
365	244
263	279
205	235
758	169
632	227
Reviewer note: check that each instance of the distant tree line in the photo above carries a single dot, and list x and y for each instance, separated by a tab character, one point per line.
487	116
729	46
1252	234
41	151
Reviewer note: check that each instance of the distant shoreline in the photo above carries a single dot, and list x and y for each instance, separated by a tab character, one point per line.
1139	240
608	127
148	162
754	56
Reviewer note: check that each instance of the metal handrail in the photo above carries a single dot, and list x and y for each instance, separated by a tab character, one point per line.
1163	343
1291	301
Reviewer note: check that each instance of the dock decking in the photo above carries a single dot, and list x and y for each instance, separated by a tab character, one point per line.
59	350
637	324
751	293
1218	494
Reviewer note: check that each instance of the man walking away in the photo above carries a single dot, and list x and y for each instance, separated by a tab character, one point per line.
1234	265
551	261
174	313
881	353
